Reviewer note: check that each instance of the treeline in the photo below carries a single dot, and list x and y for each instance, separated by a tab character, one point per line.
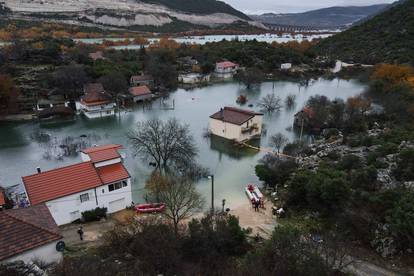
388	37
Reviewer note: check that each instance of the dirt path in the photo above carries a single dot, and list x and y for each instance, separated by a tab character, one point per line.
261	223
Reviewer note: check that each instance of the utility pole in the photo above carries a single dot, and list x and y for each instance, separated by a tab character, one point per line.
212	193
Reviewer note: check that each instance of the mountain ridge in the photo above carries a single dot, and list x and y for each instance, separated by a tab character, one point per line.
331	17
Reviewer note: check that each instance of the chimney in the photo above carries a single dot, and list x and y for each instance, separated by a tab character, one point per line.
38	170
221	113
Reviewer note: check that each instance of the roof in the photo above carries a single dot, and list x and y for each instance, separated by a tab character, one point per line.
112	173
226	64
97	55
100	148
140	90
142	78
234	115
103	153
61	182
95	94
25	229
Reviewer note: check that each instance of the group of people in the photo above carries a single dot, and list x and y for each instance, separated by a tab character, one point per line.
257	204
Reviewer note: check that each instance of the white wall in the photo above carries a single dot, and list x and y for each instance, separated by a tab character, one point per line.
45	253
62	208
97	111
234	132
108	162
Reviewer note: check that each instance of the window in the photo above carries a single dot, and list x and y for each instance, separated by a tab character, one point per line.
124	184
109	112
84	197
116	186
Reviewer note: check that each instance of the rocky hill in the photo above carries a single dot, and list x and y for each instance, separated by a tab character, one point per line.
328	18
387	37
131	14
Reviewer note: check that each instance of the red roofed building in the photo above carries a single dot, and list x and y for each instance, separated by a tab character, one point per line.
236	124
27	234
140	93
2	199
140	80
100	181
96	102
226	69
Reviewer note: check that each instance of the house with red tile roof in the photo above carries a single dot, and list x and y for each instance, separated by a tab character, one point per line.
140	93
96	102
226	69
236	124
2	199
27	234
101	180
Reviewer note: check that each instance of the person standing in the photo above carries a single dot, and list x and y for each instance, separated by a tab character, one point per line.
80	232
256	206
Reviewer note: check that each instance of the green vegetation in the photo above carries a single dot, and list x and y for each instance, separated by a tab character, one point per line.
200	7
95	214
388	37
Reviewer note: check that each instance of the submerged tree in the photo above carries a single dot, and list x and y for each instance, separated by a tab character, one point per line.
270	103
250	77
278	141
169	145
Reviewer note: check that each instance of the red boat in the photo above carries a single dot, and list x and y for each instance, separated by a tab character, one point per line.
150	208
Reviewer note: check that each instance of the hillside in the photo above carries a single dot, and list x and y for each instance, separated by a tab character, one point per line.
328	18
387	37
171	15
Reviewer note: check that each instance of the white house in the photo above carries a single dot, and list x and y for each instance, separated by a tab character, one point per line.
96	103
51	102
140	80
140	93
28	234
236	124
101	180
286	66
226	69
193	78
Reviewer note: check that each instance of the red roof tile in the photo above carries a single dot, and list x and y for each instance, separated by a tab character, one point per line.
100	148
226	64
113	173
142	78
233	115
61	182
104	155
25	229
140	90
95	94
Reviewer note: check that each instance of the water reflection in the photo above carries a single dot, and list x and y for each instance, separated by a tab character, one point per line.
230	149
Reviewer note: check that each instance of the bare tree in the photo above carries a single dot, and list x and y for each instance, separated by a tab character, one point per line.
270	103
179	195
169	145
290	101
278	141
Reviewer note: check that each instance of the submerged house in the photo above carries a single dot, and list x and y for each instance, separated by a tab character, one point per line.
236	124
194	78
96	102
140	93
286	66
101	180
29	234
226	69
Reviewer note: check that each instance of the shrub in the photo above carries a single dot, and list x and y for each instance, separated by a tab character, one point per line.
405	166
350	162
95	214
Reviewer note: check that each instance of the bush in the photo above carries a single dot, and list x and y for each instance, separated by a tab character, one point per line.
405	166
350	162
94	215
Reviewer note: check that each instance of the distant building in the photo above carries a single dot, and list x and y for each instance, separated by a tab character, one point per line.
286	66
101	180
236	124
193	78
52	101
141	80
54	106
96	103
140	93
2	199
96	56
29	234
226	69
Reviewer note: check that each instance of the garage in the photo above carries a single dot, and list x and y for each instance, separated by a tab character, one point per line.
116	205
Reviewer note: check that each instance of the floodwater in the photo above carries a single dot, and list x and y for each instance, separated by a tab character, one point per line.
269	38
232	167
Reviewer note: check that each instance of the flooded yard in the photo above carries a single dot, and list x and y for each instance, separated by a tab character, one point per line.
23	146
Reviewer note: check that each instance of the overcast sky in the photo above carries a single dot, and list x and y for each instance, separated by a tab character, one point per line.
282	6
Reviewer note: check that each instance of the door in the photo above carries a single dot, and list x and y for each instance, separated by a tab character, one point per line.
117	205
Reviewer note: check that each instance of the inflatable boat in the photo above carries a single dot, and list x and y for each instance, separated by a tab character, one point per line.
150	208
253	193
